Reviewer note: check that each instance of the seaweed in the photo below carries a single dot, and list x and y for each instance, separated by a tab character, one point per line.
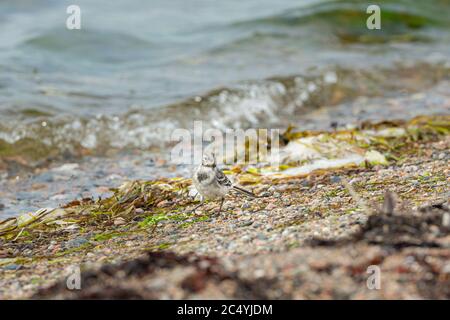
142	207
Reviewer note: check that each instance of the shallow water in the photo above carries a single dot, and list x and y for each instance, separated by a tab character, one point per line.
139	69
99	85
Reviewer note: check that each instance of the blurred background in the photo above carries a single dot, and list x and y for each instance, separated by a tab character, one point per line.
138	69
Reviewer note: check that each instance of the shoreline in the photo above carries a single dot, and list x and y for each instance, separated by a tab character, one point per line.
307	236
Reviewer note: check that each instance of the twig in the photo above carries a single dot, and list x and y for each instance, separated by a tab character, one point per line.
19	234
360	201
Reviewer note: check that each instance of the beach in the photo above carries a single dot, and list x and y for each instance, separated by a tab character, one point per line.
89	188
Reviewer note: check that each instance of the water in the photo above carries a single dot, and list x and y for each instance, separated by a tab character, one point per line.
138	69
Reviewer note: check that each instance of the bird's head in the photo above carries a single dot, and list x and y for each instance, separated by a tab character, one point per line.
208	160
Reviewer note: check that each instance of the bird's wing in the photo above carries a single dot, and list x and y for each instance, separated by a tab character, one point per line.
222	178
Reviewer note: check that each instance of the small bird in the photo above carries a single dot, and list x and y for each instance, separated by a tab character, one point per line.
211	183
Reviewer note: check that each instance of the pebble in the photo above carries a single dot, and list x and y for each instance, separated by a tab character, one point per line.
12	267
305	183
68	167
72	227
354	180
232	245
75	243
446	268
119	221
27	252
285	232
335	179
246	224
44	177
259	273
245	205
59	197
261	236
162	203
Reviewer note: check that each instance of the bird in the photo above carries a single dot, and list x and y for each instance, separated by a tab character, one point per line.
211	183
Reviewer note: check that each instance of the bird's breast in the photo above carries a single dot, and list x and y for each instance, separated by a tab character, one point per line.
202	176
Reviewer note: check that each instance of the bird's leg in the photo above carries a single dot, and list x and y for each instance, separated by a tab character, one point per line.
221	205
197	206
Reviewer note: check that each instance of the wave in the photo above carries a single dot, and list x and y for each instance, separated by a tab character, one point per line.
93	45
402	21
273	102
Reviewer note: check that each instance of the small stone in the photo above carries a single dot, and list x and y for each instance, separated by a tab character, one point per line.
119	221
446	220
72	227
270	206
305	183
58	197
335	179
13	267
68	167
245	205
162	203
232	245
273	237
246	224
27	252
261	236
75	243
44	177
246	238
259	273
139	211
129	244
446	268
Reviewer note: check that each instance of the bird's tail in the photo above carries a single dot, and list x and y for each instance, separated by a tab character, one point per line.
242	190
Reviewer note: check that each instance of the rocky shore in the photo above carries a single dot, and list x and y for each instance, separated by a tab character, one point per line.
309	234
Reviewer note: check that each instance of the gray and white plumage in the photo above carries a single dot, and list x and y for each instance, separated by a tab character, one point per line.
211	183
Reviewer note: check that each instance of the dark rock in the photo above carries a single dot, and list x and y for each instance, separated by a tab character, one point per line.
44	177
12	266
75	243
246	224
335	179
